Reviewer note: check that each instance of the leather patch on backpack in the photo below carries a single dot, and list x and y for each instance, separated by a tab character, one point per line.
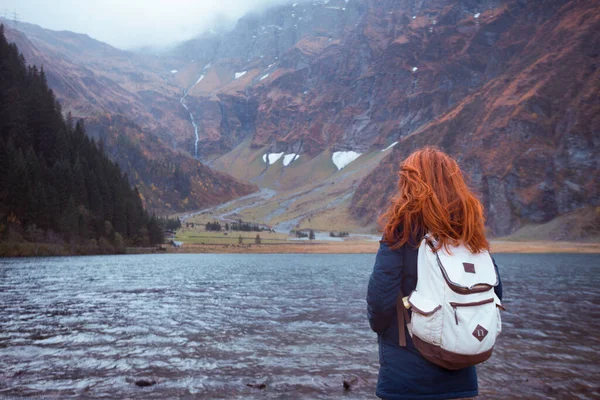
480	333
470	268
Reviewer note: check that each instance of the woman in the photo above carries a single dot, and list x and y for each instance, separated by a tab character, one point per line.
432	197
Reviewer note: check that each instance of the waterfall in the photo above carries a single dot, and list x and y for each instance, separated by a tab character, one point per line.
193	121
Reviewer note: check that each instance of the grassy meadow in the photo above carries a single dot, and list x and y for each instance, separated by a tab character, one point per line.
195	236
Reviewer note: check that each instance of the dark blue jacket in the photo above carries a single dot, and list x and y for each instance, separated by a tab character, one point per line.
403	372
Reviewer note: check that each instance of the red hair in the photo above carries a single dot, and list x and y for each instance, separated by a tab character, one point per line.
433	197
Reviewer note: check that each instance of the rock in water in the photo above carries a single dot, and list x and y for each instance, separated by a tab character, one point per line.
260	386
349	382
145	383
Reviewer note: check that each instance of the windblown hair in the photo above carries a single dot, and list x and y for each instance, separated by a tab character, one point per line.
434	198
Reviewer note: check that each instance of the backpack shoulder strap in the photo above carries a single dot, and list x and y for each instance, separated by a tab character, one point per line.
401	311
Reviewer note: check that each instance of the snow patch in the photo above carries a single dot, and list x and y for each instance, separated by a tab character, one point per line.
414	16
264	77
271	158
415	69
343	158
288	158
199	79
389	147
240	74
173	71
476	15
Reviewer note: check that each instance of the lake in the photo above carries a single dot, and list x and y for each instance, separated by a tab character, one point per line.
206	326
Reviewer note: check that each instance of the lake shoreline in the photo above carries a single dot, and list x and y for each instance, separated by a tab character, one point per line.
370	247
18	250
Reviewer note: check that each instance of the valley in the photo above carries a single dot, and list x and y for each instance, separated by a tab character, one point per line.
298	117
305	194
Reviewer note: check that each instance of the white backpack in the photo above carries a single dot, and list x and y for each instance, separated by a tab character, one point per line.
455	312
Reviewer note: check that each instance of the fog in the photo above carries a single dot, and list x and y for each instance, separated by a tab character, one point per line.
134	23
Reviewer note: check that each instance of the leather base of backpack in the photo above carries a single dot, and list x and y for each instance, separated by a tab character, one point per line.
447	359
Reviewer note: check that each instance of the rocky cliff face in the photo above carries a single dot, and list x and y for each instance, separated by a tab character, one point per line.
529	133
345	75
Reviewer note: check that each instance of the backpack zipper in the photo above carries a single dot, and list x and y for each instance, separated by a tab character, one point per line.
460	289
472	304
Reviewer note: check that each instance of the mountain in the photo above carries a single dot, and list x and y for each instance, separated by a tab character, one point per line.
529	135
317	102
126	102
507	87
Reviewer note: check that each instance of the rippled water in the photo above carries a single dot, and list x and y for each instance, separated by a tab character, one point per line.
206	326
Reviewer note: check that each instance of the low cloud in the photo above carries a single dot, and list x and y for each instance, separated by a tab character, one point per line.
134	23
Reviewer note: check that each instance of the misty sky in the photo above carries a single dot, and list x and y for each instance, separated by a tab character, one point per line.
132	23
